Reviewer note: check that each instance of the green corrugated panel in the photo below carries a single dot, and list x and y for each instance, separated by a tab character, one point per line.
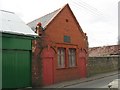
0	62
16	69
0	69
10	41
16	43
0	41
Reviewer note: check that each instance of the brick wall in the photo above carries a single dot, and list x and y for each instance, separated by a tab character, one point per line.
97	65
67	74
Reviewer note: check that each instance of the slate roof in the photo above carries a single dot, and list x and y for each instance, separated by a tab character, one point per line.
12	24
104	51
45	20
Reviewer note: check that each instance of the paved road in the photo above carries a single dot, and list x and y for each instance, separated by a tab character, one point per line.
99	83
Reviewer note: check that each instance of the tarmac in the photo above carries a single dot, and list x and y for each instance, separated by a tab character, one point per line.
74	82
83	80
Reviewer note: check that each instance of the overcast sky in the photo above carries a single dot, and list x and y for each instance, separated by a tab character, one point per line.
98	18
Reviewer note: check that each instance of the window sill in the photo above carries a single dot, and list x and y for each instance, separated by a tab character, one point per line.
72	67
66	68
58	68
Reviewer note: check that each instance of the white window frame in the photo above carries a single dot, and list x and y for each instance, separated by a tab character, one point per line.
61	57
72	57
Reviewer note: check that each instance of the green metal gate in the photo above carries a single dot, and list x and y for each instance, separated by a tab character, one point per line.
16	61
16	68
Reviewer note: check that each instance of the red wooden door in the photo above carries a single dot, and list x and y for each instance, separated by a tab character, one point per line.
47	71
82	67
48	66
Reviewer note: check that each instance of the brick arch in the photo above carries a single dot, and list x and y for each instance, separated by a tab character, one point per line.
47	52
54	49
48	49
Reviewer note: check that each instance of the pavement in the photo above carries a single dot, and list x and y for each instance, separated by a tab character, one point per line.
83	80
74	82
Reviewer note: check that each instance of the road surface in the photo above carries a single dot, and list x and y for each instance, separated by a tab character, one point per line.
99	83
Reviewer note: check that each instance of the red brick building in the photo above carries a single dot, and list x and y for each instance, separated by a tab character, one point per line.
64	47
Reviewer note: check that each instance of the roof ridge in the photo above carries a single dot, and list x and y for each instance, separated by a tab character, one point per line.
45	15
7	11
105	46
58	10
49	13
54	11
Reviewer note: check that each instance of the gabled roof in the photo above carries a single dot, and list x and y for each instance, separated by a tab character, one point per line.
12	24
45	20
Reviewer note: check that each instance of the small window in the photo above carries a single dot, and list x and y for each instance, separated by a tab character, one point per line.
61	57
72	57
67	39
